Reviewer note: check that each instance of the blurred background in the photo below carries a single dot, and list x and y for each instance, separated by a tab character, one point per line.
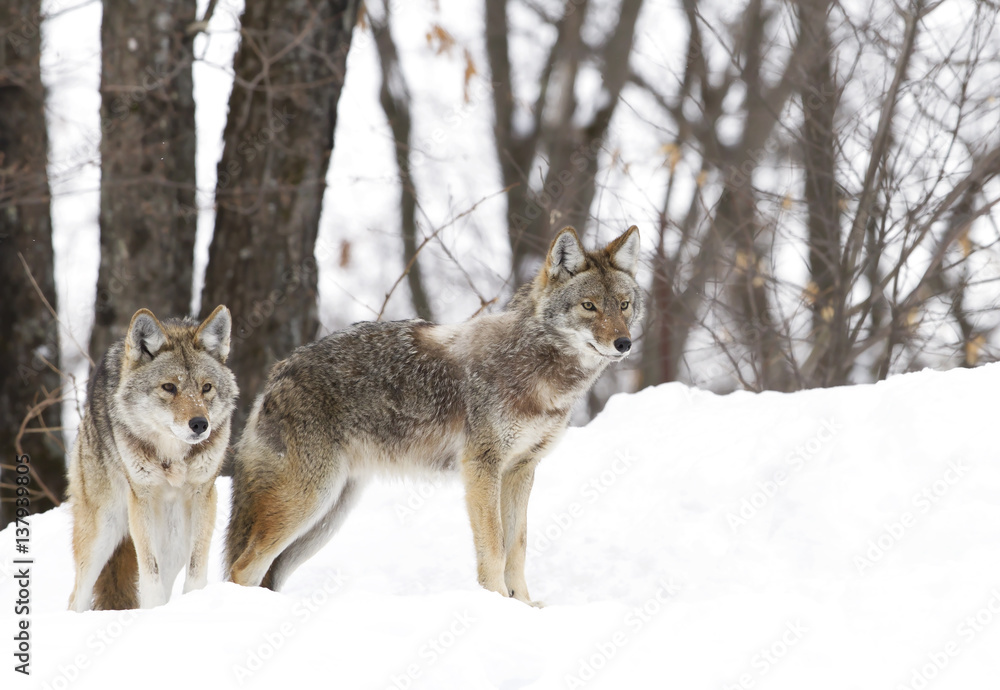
815	182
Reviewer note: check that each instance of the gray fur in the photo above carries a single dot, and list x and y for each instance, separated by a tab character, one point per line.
139	473
488	397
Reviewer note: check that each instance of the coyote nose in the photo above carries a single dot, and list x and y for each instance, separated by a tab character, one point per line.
198	425
623	345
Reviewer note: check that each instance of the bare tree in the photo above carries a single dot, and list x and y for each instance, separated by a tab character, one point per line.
559	137
278	140
395	99
29	348
147	164
733	250
889	232
826	289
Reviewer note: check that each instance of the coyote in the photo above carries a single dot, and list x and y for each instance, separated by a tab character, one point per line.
142	473
488	397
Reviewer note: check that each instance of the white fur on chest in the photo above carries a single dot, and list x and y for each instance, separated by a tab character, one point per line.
173	531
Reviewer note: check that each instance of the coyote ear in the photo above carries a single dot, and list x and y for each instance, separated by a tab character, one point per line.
624	251
213	333
145	338
566	254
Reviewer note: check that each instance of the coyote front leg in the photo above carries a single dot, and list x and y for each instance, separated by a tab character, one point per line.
203	506
141	520
95	536
481	473
515	489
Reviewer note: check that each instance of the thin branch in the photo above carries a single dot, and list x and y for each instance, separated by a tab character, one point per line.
880	144
52	311
427	239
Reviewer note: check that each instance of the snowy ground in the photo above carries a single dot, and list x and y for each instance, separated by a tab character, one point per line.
844	538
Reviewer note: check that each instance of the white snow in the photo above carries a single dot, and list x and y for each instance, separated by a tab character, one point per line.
869	557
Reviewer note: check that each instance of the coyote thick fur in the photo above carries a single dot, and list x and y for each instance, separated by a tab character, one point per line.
142	472
488	397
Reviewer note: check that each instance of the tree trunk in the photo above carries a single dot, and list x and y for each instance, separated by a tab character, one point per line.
515	151
573	151
279	137
659	360
830	327
395	99
570	150
29	348
148	217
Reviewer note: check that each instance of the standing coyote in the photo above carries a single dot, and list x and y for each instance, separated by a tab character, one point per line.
488	397
142	473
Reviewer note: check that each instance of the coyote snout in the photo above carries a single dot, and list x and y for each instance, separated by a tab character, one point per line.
610	335
195	431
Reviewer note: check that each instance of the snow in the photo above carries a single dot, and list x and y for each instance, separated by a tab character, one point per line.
868	556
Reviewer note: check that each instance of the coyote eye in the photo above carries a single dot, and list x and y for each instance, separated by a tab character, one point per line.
206	388
169	387
624	305
589	306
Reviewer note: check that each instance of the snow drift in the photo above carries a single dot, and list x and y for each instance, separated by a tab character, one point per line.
840	538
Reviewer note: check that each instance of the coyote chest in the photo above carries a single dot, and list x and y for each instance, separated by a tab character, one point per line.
162	460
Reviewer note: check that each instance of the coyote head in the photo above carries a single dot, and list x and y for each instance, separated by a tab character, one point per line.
592	298
173	378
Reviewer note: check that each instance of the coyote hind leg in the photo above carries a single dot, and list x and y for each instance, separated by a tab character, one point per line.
306	546
278	516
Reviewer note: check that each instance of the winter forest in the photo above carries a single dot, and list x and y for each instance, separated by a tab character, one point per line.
815	184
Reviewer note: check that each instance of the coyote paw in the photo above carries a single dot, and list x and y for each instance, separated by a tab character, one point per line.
195	583
494	586
530	602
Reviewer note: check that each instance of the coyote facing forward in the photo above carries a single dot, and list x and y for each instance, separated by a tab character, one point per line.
488	397
142	472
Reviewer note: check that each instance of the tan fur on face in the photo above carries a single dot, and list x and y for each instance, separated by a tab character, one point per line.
609	322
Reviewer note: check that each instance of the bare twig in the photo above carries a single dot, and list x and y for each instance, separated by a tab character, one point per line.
52	398
52	311
202	24
427	239
880	144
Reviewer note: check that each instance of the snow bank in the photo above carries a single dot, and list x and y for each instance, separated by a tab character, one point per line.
841	538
